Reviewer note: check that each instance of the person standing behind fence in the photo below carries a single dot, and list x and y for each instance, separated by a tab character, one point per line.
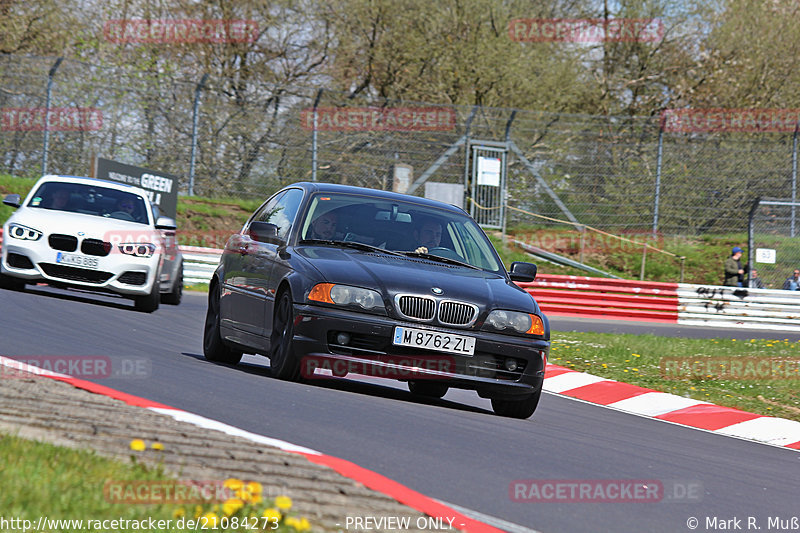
792	283
734	273
755	282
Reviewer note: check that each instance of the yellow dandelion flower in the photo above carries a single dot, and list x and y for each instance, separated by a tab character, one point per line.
284	503
198	511
231	506
256	498
605	365
180	512
233	483
138	445
211	520
304	525
254	487
157	446
292	522
635	369
243	495
272	515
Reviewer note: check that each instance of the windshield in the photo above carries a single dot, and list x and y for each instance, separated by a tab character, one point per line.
397	226
90	200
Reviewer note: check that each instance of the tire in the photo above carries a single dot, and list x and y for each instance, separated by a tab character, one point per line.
214	348
174	297
282	360
429	389
517	408
11	283
149	302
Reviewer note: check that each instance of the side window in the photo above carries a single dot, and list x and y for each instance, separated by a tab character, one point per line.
281	211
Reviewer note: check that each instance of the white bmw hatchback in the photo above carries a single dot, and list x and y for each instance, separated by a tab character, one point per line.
93	234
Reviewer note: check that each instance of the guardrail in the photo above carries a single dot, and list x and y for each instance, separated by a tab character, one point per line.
199	263
681	303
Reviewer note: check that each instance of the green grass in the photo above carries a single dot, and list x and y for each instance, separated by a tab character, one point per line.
638	359
43	480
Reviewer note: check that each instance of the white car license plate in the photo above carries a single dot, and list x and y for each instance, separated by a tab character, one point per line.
77	260
434	340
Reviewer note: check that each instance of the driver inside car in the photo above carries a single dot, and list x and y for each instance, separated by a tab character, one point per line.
428	234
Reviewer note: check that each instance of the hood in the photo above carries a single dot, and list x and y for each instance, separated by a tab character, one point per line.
411	275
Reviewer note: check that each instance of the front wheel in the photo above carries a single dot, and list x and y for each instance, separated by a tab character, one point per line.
282	361
523	408
176	294
149	302
214	348
11	283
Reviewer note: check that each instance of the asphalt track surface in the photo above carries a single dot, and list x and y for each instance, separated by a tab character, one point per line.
454	450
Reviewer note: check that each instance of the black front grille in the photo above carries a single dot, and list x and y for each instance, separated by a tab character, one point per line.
416	307
65	243
95	247
133	278
18	261
457	313
75	274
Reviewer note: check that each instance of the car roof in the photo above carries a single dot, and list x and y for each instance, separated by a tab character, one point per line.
314	187
92	181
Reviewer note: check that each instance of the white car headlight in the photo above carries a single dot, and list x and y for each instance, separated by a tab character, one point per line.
346	295
137	249
518	322
18	231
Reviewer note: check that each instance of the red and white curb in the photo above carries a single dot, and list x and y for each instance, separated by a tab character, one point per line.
369	479
672	408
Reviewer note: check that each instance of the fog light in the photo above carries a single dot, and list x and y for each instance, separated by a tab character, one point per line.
510	364
343	338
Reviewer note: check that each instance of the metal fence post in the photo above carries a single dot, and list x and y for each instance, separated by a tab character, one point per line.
314	138
46	142
195	118
657	198
750	239
794	175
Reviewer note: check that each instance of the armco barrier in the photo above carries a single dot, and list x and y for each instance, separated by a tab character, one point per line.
682	303
603	297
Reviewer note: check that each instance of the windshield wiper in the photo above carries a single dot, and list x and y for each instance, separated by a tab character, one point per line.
350	244
440	259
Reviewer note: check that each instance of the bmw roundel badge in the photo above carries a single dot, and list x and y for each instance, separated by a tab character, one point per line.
436	290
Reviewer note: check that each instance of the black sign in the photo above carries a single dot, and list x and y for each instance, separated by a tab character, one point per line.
162	188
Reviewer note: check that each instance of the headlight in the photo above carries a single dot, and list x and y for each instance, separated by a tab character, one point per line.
518	322
137	249
18	231
346	295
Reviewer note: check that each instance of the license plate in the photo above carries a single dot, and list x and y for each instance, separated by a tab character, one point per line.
434	340
77	260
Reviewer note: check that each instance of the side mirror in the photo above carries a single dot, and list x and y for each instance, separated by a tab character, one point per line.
13	200
264	232
521	271
166	223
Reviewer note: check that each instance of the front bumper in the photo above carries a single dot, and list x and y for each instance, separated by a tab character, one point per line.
370	351
116	272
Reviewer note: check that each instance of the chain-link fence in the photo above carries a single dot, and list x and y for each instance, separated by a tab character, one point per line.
774	241
624	174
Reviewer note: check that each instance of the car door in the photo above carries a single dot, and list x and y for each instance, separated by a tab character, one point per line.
242	298
254	261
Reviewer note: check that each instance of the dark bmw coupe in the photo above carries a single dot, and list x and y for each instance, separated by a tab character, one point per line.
328	280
